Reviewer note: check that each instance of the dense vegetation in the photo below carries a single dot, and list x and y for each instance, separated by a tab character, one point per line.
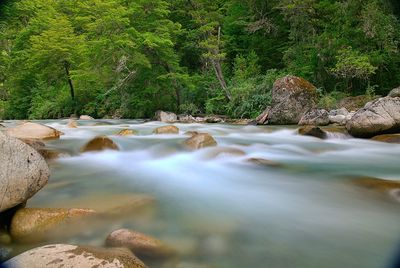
128	58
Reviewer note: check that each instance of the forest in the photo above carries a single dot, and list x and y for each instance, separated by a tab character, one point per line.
129	58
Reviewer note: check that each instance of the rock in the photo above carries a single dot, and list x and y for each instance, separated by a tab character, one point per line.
341	111
388	187
184	118
262	119
70	256
199	141
23	172
382	116
241	122
100	143
166	130
354	103
140	244
338	119
389	138
315	117
72	123
166	117
2	126
51	155
86	117
33	131
264	162
213	119
126	132
35	144
223	151
191	133
395	93
313	131
291	97
37	224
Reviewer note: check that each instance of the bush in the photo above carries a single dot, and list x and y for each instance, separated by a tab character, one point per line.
189	108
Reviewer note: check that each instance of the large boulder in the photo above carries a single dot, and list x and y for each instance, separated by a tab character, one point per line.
23	172
199	141
37	224
166	130
31	130
315	117
100	143
388	138
140	244
291	97
394	93
166	117
381	116
70	256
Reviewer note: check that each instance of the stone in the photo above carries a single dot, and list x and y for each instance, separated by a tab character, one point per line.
262	119
338	119
241	122
184	118
166	130
213	119
313	132
37	224
72	123
224	151
390	188
86	117
264	162
126	132
166	117
100	143
71	256
23	172
200	141
191	133
395	93
388	138
382	116
341	111
315	117
140	244
33	131
291	97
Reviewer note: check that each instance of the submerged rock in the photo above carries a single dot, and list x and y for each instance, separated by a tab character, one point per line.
100	143
126	132
291	97
70	256
264	162
388	138
140	244
166	117
36	224
315	117
72	123
86	117
388	187
313	131
191	133
166	130
199	141
33	131
23	172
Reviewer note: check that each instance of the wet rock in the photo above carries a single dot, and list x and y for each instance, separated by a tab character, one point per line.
184	118
2	126
191	133
213	119
388	138
70	256
388	187
100	143
264	162
395	93
262	119
37	224
354	103
23	172
291	97
241	122
86	117
166	130
72	123
126	132
313	132
315	117
199	141
223	151
51	155
33	131
166	117
382	116
140	244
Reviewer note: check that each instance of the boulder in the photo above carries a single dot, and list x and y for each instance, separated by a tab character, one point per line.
140	244
30	130
40	147
388	138
166	117
2	126
354	103
166	130
23	172
341	111
71	256
191	133
100	143
37	224
213	119
338	119
313	132
262	119
382	116
199	141
126	132
72	123
395	93
184	118
291	97
86	117
315	117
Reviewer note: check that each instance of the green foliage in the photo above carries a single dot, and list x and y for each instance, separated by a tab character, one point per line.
330	100
189	108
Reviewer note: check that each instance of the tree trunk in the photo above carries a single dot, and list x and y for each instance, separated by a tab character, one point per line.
71	86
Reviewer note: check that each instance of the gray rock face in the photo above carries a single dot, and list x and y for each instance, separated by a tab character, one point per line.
379	117
395	93
70	256
166	117
338	119
341	111
23	172
291	97
315	117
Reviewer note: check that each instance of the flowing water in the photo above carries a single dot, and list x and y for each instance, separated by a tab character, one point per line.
218	208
